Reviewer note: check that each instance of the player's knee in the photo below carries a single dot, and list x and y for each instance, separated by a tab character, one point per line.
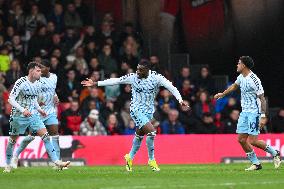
30	138
138	137
253	142
242	140
152	134
12	140
45	136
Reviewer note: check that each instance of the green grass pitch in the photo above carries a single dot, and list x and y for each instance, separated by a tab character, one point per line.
229	176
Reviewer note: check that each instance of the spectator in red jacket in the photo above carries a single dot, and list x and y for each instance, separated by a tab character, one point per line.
71	119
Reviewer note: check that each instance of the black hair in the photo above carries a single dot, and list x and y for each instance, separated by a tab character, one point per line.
45	63
32	65
145	62
247	61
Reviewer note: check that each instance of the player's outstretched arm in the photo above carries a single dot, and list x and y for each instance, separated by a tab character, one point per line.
88	83
230	89
168	85
127	79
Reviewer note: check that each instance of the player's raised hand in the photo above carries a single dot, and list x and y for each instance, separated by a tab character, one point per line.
27	113
88	83
42	113
185	105
219	95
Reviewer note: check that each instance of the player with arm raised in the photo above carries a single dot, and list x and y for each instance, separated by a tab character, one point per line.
23	99
254	110
145	84
47	100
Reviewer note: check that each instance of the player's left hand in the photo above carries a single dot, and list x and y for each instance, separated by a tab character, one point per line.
56	100
262	122
185	104
42	113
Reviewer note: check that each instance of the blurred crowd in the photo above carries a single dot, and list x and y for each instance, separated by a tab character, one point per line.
66	36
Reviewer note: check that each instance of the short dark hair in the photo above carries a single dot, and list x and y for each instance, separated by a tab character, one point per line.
145	62
45	63
247	61
32	65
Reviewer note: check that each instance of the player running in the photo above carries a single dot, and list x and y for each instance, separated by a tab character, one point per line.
23	98
47	100
252	117
145	85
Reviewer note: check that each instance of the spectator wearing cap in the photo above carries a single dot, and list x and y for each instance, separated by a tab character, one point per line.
91	126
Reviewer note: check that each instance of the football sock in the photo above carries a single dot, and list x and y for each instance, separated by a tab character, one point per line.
270	150
24	144
252	157
135	145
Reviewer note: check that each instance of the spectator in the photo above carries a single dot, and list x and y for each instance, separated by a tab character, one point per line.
95	65
91	50
206	126
90	34
205	81
17	48
187	118
231	105
154	61
34	19
13	73
16	18
71	119
71	17
10	32
106	31
172	125
188	91
130	52
107	61
86	110
91	126
83	11
57	17
203	105
93	96
125	113
70	88
278	122
39	42
129	30
50	29
167	98
124	67
124	96
184	74
4	59
112	125
107	109
112	91
130	129
80	63
162	114
2	91
230	123
56	67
